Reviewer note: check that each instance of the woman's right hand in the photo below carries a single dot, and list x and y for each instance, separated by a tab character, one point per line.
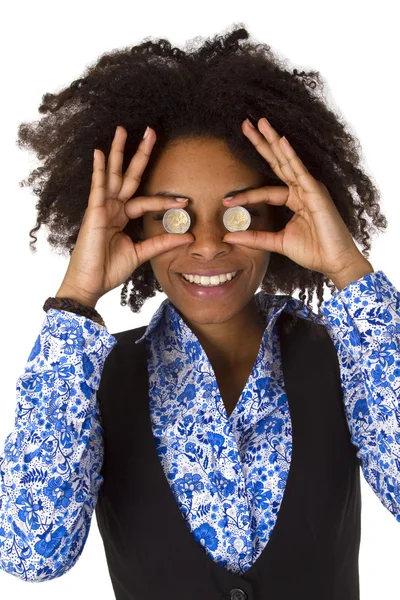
104	257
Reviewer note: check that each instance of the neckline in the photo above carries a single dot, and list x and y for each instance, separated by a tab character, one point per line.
198	549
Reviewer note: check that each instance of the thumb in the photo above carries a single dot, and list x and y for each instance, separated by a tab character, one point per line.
158	244
258	240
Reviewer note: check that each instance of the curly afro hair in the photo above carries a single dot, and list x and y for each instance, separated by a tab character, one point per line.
204	91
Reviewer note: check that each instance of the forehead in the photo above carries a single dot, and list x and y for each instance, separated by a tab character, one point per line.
200	161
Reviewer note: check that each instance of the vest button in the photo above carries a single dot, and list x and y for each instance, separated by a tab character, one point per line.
238	594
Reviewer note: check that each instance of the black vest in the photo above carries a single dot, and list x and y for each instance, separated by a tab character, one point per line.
313	550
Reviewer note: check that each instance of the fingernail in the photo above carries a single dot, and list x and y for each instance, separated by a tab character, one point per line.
250	123
146	133
181	199
228	198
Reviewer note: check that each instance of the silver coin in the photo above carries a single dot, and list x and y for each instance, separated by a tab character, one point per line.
176	220
237	218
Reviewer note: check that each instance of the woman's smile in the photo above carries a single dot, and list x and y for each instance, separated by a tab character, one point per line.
210	291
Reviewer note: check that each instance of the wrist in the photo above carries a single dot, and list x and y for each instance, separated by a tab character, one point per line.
66	292
352	273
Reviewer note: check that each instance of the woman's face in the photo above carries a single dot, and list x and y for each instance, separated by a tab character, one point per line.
206	171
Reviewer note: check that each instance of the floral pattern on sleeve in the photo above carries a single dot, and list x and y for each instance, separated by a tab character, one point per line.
50	467
363	320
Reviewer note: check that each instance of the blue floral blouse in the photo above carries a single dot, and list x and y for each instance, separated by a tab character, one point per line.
50	467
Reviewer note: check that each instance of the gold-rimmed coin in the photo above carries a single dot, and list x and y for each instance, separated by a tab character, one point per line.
237	218
176	220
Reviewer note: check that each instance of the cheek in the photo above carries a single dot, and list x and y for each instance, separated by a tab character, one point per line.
261	260
158	265
162	264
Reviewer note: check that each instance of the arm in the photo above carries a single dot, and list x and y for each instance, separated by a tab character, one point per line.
51	463
363	320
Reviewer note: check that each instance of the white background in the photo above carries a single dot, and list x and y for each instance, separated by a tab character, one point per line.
46	45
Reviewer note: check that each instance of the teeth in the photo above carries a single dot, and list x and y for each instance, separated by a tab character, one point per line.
210	281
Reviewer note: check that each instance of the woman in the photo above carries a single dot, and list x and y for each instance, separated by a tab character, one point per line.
260	410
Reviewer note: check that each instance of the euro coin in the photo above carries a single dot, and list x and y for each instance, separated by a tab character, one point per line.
176	220
237	218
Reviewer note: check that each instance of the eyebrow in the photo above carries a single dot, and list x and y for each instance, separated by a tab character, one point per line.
168	193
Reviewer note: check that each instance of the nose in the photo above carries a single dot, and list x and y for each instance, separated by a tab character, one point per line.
208	234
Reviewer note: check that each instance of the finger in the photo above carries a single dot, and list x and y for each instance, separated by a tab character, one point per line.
114	165
97	196
273	139
270	194
267	149
138	206
258	240
134	172
158	244
290	164
286	163
301	173
270	149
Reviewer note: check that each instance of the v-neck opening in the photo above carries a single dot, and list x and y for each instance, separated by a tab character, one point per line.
169	492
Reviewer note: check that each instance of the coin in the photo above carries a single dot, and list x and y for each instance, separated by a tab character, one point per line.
237	218
176	220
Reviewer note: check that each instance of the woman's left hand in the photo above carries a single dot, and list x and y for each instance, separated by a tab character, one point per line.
316	237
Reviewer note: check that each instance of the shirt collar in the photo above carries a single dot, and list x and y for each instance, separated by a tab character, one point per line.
270	305
155	319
